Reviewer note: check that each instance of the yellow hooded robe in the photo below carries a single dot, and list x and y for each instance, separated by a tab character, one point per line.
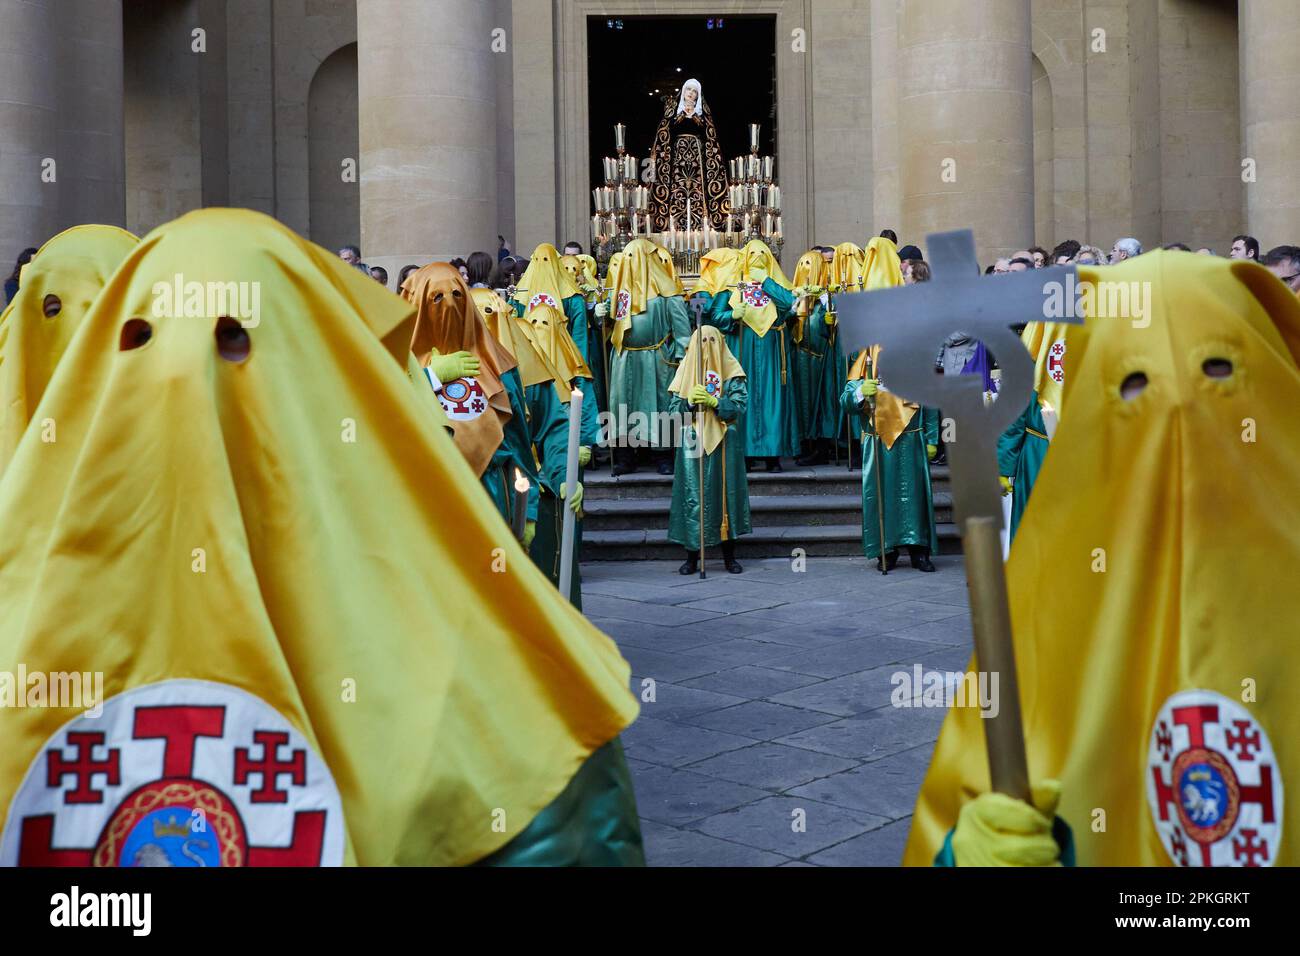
1154	612
264	535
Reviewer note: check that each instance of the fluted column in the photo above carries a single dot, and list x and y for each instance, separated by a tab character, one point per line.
966	110
29	125
427	104
1270	113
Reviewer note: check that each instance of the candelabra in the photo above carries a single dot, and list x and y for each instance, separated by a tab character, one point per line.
622	204
623	210
755	198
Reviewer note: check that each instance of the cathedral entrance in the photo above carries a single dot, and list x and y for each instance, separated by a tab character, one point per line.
636	67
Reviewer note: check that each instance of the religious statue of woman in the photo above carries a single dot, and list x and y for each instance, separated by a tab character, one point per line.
687	165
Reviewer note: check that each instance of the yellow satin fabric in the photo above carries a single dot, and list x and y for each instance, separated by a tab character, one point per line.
1197	527
811	270
757	254
328	557
719	270
846	268
550	336
717	358
1040	338
74	265
545	277
500	320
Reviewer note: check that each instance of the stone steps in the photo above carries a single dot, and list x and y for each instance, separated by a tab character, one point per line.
817	509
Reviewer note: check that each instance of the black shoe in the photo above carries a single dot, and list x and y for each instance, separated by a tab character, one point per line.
816	458
774	466
891	561
622	468
689	566
665	467
733	566
922	562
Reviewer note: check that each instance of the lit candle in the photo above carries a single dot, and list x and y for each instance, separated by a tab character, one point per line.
620	132
753	136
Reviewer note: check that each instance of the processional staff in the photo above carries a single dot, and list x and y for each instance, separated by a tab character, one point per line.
907	322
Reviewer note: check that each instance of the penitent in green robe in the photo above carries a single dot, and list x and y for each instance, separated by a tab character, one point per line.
771	423
575	311
1021	451
819	378
515	452
549	425
725	485
908	501
639	374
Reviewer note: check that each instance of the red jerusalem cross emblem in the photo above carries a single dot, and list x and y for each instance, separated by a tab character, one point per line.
181	773
1214	787
542	298
754	295
463	400
1056	361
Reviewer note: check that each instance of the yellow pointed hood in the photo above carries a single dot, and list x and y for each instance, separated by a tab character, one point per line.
72	267
1154	615
719	366
545	281
761	312
283	528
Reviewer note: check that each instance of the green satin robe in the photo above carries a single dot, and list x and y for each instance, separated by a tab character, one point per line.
549	423
908	500
515	452
770	424
640	374
593	822
724	477
1021	451
819	378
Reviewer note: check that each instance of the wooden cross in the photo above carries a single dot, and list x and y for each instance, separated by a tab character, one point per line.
909	323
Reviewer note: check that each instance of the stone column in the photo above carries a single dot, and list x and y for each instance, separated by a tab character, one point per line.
29	119
884	119
92	168
1270	113
966	108
427	101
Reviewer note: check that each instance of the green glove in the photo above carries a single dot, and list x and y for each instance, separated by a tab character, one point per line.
584	455
530	532
739	309
448	368
575	504
602	309
757	274
700	396
997	830
931	451
1006	484
868	388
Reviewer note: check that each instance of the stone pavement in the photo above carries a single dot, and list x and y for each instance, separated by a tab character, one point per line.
771	695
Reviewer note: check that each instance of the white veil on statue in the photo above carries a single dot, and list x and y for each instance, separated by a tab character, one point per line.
699	99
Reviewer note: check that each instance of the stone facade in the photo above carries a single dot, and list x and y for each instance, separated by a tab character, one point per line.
1026	119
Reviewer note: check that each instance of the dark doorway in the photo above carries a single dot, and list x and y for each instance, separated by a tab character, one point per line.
634	63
